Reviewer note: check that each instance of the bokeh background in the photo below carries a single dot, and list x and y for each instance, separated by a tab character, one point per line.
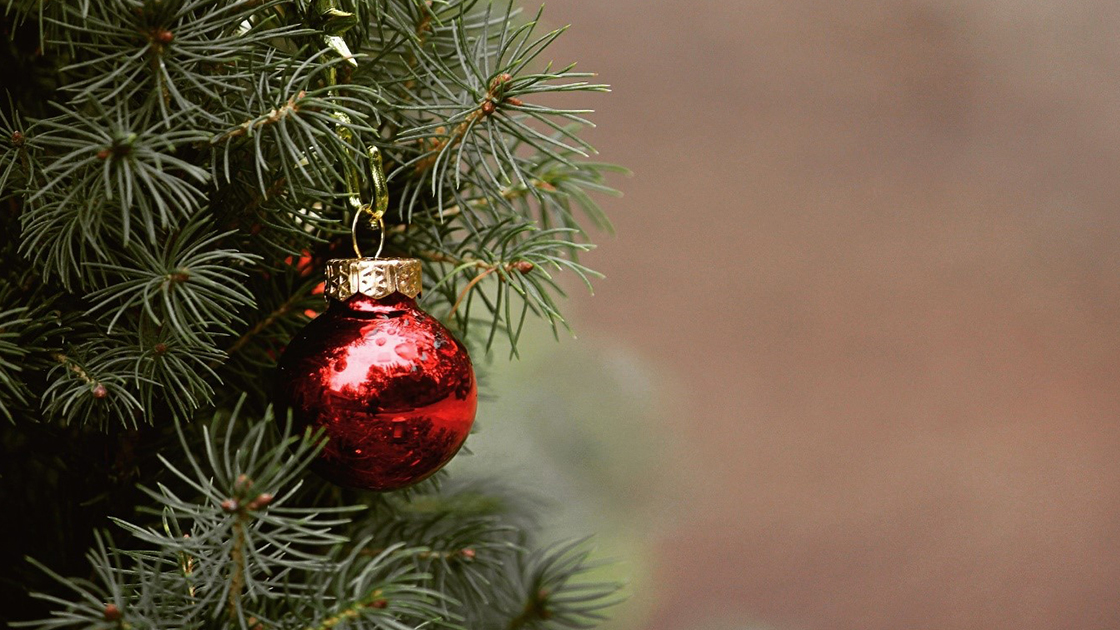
855	361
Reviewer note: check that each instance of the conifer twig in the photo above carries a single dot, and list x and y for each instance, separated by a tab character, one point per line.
237	557
270	319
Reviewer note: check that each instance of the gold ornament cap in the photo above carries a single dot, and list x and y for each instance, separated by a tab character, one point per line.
372	277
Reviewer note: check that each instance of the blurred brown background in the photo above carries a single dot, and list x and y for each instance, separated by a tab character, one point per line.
872	246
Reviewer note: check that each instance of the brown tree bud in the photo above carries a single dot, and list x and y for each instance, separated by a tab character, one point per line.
542	604
500	80
112	612
99	391
261	501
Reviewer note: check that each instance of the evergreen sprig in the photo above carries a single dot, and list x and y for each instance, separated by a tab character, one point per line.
189	285
178	55
121	158
554	591
12	390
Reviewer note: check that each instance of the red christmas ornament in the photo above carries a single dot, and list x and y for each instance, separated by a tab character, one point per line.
392	388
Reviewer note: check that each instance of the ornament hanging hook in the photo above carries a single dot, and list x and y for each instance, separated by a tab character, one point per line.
336	22
375	210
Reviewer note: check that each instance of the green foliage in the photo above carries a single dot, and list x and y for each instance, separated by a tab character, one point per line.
189	285
173	175
235	540
193	145
11	354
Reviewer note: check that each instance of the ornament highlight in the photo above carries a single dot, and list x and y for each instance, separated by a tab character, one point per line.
392	389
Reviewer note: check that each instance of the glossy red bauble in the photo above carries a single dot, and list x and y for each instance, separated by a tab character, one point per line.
393	390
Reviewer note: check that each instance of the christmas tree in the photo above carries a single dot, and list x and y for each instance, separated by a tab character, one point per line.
175	174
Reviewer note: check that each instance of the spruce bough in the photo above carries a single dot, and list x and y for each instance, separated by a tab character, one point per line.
173	175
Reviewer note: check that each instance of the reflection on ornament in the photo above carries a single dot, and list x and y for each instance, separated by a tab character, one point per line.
393	390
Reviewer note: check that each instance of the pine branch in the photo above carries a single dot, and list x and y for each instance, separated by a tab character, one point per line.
189	286
12	390
80	392
281	311
555	594
168	217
